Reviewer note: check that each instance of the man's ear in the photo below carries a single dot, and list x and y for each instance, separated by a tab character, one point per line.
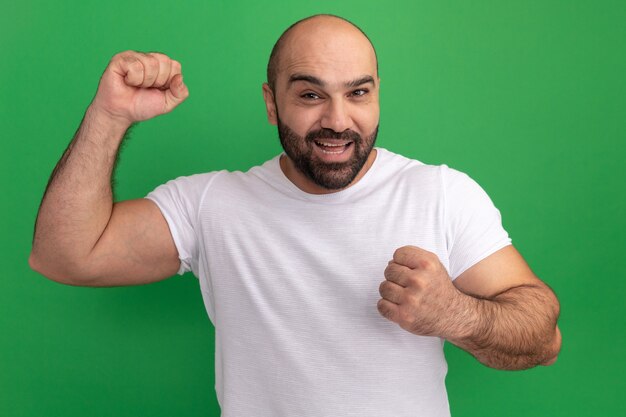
270	104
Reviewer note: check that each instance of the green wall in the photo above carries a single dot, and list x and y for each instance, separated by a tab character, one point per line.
528	97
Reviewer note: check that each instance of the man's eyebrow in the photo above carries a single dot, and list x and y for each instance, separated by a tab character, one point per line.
316	81
360	81
308	78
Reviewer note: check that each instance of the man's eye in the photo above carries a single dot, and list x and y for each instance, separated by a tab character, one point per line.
360	92
310	96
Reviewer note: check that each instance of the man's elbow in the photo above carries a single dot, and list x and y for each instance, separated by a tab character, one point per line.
553	344
553	349
59	271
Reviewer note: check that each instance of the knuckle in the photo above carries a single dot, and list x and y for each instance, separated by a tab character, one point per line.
405	317
135	71
122	55
384	310
427	261
381	308
157	55
424	284
381	288
129	55
162	60
389	271
134	64
412	299
404	298
399	253
413	280
154	64
407	255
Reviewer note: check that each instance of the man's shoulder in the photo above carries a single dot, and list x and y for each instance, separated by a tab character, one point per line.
204	179
397	167
396	164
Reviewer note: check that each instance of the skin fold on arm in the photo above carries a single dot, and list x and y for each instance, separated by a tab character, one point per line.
498	310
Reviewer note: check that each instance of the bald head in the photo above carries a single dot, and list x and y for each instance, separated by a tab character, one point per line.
314	32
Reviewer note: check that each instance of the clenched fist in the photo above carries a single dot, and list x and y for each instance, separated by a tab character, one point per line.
138	86
418	294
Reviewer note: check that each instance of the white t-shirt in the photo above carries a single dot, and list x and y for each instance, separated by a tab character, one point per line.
290	281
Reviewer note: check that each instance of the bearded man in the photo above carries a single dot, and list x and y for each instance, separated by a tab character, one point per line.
334	272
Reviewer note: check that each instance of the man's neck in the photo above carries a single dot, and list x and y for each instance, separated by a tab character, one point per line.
307	185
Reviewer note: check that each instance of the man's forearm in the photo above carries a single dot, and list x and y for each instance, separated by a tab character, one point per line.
512	330
78	201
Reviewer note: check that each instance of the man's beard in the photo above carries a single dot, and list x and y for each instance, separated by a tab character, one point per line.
333	175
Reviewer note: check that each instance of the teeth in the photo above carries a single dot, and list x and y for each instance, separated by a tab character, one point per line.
331	152
331	145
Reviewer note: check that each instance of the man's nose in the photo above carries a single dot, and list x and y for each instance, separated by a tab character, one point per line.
336	116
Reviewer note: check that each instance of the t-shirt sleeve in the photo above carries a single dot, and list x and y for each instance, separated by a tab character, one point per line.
179	201
473	224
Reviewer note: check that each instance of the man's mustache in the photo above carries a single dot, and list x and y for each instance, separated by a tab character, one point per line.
331	134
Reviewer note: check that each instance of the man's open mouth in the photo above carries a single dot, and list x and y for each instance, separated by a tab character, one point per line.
333	146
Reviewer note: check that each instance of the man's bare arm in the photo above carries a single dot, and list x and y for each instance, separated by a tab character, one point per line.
81	236
497	310
516	313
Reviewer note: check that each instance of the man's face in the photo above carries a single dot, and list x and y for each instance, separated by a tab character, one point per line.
330	159
325	104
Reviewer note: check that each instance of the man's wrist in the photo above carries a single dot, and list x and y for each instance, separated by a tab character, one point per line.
106	122
469	321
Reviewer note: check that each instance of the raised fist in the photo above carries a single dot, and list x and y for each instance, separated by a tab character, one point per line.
138	86
418	294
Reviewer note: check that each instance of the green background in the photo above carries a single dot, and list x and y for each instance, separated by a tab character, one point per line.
528	97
